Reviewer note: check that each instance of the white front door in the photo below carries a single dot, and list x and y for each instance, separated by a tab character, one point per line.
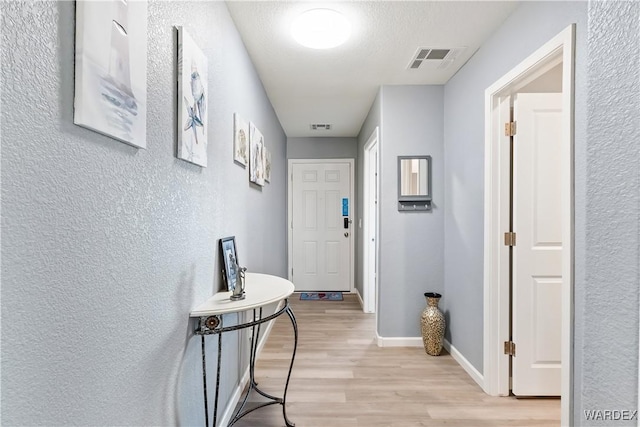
537	255
321	227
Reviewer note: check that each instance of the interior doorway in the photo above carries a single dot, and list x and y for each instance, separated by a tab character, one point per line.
557	54
370	226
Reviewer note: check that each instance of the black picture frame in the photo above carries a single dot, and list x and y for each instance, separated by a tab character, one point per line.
229	256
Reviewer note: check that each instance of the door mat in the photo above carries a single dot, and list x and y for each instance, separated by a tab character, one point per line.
321	296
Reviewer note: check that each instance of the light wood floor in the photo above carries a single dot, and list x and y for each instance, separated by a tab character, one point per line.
342	378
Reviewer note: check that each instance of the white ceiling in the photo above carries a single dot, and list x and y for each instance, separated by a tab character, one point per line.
338	86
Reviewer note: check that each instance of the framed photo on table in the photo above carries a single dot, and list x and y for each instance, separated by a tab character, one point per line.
229	261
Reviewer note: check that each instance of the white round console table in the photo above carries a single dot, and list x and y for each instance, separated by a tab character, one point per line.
260	290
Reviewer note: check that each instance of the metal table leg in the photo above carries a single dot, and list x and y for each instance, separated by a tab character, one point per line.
293	356
215	408
253	385
204	384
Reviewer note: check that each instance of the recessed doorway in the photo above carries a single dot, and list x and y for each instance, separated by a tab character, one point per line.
370	226
501	261
321	237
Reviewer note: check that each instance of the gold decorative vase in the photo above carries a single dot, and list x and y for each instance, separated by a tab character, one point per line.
433	325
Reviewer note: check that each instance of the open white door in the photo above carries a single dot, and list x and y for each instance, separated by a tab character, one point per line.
321	206
537	255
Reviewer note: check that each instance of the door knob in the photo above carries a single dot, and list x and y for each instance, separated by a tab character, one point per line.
346	234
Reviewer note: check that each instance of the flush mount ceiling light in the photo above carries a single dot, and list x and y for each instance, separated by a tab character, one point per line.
321	29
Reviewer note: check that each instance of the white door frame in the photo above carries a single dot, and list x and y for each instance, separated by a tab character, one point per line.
369	287
560	49
351	163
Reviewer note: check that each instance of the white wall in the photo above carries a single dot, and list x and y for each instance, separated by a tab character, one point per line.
411	243
106	248
321	148
528	28
410	119
607	200
607	307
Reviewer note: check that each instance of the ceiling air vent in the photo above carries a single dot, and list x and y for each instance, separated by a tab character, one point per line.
320	126
441	58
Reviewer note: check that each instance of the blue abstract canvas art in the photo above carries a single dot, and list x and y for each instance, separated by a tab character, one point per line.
192	100
111	69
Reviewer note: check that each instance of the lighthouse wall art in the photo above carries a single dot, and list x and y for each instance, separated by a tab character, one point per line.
111	69
192	100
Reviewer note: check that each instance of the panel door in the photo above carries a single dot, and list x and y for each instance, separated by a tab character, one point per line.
537	256
321	244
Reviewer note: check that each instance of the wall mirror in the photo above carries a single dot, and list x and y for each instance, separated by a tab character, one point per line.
414	183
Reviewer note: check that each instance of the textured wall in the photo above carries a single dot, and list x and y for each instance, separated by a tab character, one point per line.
106	248
607	312
411	244
373	120
528	28
322	148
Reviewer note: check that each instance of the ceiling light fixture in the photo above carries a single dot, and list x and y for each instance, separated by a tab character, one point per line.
321	29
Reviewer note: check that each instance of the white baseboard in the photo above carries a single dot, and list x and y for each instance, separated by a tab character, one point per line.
462	361
360	299
399	341
417	342
237	392
235	398
381	341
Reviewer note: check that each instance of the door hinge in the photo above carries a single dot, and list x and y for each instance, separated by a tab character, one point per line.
510	129
510	348
509	238
292	272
